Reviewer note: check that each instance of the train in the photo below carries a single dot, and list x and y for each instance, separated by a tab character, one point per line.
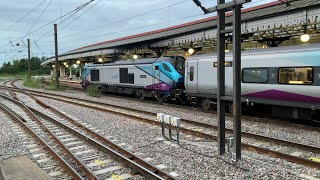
283	81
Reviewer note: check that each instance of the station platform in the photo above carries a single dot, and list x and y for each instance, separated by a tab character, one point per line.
70	81
21	168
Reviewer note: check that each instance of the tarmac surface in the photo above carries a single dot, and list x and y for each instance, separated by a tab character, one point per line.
21	168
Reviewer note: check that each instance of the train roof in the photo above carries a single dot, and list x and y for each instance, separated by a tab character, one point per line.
283	49
138	61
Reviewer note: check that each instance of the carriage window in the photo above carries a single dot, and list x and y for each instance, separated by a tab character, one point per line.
255	75
191	73
299	75
166	67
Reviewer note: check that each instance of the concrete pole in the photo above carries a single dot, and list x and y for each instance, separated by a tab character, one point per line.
70	69
80	71
29	59
56	54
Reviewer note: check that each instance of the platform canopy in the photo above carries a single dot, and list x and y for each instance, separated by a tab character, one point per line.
269	24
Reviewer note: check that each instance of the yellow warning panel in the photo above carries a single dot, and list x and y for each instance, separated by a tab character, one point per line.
315	159
116	177
100	163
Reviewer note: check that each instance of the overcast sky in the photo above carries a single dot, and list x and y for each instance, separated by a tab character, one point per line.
84	30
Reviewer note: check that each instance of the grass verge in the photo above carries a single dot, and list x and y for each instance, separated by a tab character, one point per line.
34	83
53	86
92	90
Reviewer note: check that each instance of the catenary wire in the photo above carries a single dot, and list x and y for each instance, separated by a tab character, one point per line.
75	10
39	16
79	15
26	15
134	28
125	19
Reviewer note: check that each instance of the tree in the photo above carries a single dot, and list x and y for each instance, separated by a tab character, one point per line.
21	66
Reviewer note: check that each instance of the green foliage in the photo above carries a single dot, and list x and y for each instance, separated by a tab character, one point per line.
53	86
20	67
92	90
35	83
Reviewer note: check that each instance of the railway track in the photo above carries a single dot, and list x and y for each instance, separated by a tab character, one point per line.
285	122
92	155
40	151
248	118
287	150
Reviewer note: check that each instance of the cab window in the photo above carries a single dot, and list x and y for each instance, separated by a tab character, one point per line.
166	67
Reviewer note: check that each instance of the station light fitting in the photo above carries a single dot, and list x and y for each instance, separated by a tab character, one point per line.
227	50
67	66
191	51
100	60
305	37
78	62
53	66
135	56
65	63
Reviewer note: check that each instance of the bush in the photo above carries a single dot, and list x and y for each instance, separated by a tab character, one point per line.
92	90
35	83
53	86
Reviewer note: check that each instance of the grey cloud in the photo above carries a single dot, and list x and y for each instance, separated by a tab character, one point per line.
105	12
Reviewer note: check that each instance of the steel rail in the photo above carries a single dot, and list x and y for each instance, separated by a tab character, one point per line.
204	125
208	136
190	121
89	174
308	127
45	146
270	119
269	152
109	143
128	158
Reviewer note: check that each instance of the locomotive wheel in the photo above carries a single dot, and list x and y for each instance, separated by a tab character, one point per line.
230	107
206	104
162	98
140	94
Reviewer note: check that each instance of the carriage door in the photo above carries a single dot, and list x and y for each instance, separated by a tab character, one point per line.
192	76
156	79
